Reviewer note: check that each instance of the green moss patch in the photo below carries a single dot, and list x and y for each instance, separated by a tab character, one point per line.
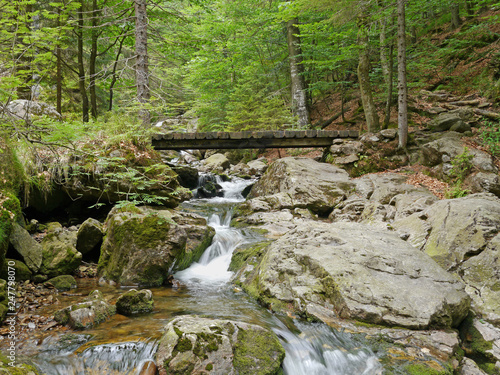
257	352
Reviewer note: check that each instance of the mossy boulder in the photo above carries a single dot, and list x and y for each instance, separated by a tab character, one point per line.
481	342
59	256
10	212
359	272
26	246
62	283
158	180
22	272
193	345
143	246
86	314
135	302
89	236
303	183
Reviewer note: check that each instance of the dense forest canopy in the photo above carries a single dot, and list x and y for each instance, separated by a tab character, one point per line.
232	65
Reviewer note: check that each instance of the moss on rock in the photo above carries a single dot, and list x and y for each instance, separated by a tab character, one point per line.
257	352
135	302
61	283
22	272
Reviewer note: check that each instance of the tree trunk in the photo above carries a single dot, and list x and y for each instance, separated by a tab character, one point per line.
299	96
402	87
22	67
81	67
59	67
372	121
92	61
456	21
113	74
386	59
141	66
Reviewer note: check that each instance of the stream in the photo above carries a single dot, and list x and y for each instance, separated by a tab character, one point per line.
122	345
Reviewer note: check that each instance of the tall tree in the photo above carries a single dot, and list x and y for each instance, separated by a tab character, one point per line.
298	84
81	65
141	66
402	86
372	120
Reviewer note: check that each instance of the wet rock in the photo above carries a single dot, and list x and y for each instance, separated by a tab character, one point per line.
148	368
193	345
21	270
26	246
86	314
481	341
89	236
303	183
358	272
143	246
208	187
59	256
216	163
62	283
135	302
187	176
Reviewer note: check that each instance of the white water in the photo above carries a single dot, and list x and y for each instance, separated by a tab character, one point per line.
317	350
212	268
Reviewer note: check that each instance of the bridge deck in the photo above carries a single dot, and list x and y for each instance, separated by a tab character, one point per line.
250	139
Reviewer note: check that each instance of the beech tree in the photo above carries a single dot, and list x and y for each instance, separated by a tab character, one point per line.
141	65
402	86
298	84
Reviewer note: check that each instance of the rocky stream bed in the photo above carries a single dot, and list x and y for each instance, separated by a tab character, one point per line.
315	272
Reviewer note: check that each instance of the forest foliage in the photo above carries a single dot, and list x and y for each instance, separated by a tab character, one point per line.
226	63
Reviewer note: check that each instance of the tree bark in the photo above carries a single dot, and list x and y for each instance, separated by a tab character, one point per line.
141	66
299	96
402	86
81	67
386	59
92	60
59	67
456	21
113	74
372	120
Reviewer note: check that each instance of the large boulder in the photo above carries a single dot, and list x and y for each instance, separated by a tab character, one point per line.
89	236
480	273
29	249
449	146
135	302
62	283
303	183
462	235
451	120
143	246
216	163
59	254
23	109
452	230
193	345
21	271
357	271
87	314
